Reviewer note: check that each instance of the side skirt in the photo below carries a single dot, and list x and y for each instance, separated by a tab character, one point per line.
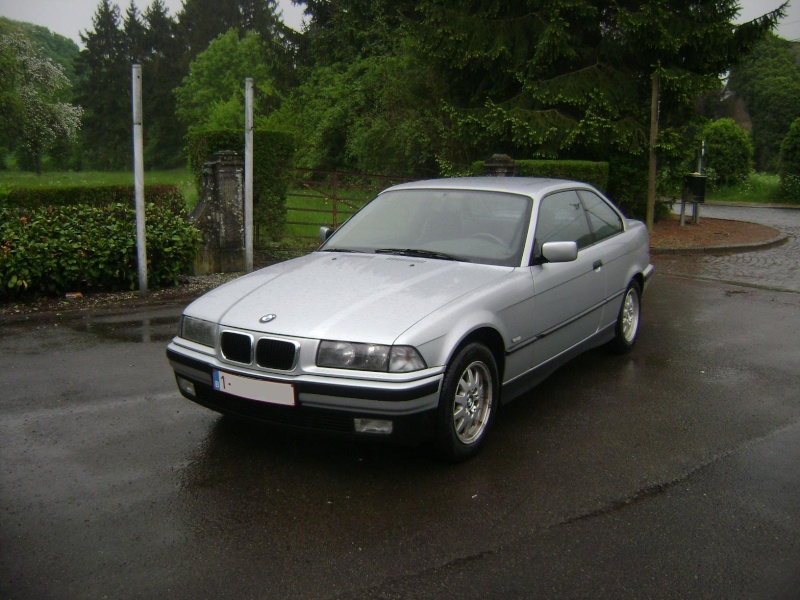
524	383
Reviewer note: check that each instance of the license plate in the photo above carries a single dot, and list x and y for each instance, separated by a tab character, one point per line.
254	389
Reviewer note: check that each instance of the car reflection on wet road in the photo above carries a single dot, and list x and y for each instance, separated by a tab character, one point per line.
667	473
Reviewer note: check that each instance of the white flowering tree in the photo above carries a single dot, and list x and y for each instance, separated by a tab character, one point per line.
32	93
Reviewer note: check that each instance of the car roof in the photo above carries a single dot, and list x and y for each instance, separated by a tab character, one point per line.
529	186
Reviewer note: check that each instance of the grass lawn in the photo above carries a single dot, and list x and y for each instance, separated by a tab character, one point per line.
760	188
181	178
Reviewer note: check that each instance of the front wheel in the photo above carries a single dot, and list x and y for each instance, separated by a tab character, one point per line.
627	328
467	403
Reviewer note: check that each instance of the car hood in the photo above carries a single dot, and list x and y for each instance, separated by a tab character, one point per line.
354	297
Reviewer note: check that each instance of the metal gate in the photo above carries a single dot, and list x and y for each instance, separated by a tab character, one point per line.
327	199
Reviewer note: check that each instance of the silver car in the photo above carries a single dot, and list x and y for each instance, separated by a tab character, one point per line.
433	305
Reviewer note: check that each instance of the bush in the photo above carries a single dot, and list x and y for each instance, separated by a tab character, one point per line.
166	196
729	152
627	185
593	173
790	151
85	248
272	157
790	164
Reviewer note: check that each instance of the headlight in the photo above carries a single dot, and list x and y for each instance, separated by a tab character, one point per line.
369	357
197	330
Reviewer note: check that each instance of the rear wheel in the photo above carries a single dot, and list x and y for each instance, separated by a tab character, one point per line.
467	403
627	328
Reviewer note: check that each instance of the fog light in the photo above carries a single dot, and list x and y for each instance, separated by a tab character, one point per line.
378	426
186	386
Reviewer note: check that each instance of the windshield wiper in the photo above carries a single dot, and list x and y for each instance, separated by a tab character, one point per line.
420	253
339	250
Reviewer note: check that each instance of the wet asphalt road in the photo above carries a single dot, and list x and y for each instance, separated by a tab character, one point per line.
669	473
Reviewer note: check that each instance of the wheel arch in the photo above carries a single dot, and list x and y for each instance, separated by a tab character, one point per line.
489	337
639	278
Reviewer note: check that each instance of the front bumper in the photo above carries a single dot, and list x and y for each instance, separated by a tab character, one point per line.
647	276
322	404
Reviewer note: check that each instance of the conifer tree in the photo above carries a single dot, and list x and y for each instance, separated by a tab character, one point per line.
104	91
163	69
768	80
136	50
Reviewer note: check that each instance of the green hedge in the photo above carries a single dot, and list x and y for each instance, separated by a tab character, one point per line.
273	154
593	173
88	248
166	196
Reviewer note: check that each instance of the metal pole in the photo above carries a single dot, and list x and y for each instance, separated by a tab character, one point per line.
701	170
335	199
248	174
138	179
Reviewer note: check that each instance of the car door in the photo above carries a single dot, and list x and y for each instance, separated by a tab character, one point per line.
570	295
607	227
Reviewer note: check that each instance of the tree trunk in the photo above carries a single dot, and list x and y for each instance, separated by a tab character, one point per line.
651	178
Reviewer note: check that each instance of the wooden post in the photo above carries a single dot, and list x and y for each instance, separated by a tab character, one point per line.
248	174
651	178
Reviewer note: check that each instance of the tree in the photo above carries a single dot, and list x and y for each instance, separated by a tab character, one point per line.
534	78
163	70
12	106
164	47
32	86
135	34
584	77
61	50
343	31
202	21
104	91
690	47
768	81
369	100
377	114
215	84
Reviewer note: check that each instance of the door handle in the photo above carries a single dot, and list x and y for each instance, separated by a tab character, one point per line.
597	264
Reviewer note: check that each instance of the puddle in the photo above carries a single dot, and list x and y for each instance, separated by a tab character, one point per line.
124	328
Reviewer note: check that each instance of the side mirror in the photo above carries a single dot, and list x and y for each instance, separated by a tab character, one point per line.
325	233
558	252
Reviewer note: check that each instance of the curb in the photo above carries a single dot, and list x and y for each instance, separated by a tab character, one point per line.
751	204
771	243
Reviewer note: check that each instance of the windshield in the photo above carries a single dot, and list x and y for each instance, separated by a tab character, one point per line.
467	225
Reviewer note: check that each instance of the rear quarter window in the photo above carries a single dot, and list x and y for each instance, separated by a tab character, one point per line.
604	220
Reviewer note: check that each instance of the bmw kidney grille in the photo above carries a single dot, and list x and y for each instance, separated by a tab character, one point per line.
269	354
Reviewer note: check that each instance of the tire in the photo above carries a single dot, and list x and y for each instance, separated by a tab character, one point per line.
627	329
467	403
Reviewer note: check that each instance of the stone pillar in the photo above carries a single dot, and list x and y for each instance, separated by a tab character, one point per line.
219	216
500	165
